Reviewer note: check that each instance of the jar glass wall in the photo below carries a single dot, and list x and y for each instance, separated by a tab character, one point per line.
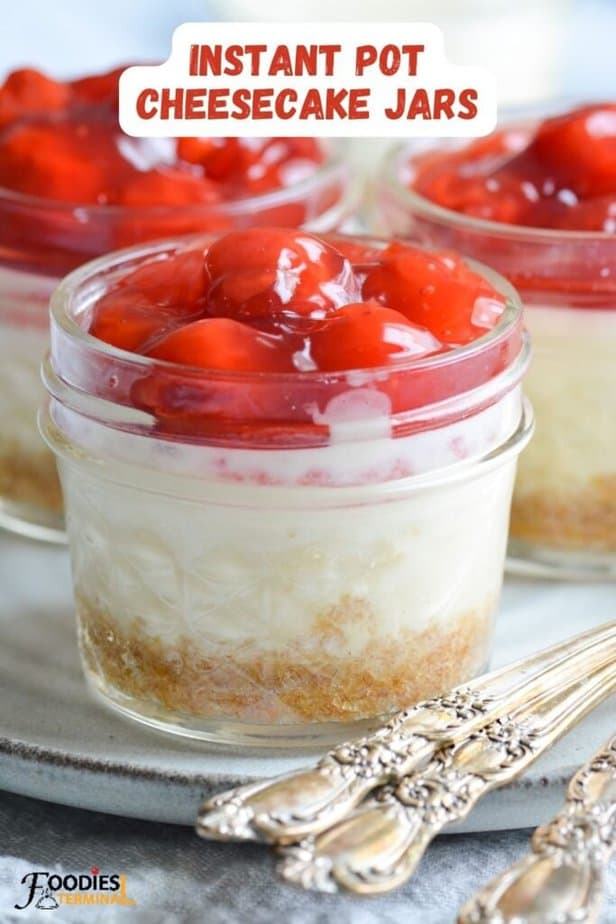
237	591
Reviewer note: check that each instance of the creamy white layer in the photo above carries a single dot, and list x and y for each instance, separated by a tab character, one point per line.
220	569
24	339
21	389
572	386
348	459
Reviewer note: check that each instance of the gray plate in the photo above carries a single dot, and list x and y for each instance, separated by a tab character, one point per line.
59	744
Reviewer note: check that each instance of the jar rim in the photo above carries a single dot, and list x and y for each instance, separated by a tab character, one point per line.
70	285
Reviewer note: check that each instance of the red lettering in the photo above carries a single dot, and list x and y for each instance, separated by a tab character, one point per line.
281	62
468	98
210	61
241	103
217	103
194	104
412	52
284	111
358	103
419	105
365	56
329	52
172	103
306	60
255	52
312	106
389	60
147	96
233	57
262	103
443	103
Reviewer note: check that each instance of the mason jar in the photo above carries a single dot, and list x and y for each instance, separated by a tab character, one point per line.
325	549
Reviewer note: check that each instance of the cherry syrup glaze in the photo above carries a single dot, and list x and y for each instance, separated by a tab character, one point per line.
62	141
257	329
562	175
535	202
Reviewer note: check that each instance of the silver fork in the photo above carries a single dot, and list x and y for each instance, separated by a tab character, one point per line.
562	878
378	845
295	805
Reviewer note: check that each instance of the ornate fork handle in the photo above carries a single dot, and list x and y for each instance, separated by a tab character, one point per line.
561	880
378	846
307	801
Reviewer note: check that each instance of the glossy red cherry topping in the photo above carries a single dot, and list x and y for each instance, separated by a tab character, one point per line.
257	276
61	141
284	306
221	343
367	334
438	291
561	175
272	300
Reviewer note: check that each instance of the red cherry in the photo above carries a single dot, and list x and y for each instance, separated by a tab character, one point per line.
252	165
219	157
40	160
176	281
261	271
365	335
167	186
98	88
580	149
435	290
497	196
27	92
221	343
94	870
130	320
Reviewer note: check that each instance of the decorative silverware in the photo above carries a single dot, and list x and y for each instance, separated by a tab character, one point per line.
561	880
310	800
379	844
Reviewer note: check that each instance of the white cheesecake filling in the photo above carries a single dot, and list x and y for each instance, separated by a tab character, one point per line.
220	575
24	339
21	389
193	556
571	383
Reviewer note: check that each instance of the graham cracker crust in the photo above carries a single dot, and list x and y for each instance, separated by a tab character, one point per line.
585	520
30	478
308	681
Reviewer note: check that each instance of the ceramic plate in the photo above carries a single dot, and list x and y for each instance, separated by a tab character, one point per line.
59	744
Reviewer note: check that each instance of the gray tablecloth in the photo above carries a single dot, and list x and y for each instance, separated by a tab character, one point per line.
176	878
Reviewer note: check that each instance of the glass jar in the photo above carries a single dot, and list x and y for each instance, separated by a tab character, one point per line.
41	240
330	554
563	521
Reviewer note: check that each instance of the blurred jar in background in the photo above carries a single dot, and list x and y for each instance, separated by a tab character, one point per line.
72	187
537	201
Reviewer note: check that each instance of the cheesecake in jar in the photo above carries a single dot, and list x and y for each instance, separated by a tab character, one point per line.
537	201
287	462
72	187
